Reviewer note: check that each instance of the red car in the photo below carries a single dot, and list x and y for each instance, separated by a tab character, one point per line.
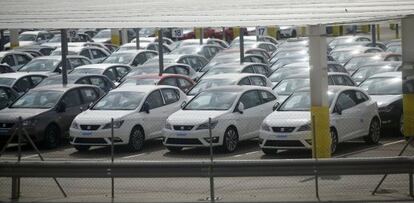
183	82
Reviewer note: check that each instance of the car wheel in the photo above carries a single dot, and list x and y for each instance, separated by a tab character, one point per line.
294	34
52	137
174	149
334	141
269	151
374	132
136	139
82	148
231	140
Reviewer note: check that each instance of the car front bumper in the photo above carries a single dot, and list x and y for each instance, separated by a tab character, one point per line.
293	140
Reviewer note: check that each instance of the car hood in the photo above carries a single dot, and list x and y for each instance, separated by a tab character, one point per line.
100	116
101	40
189	117
52	44
13	114
281	98
288	118
385	100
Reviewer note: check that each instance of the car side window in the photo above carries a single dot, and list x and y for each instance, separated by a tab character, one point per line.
36	80
245	81
85	53
181	70
339	80
122	71
110	73
139	59
345	100
330	81
360	97
88	95
170	95
9	60
248	69
260	70
72	98
23	85
169	81
258	81
149	55
96	53
250	99
85	62
266	96
21	59
348	81
183	84
83	81
75	62
154	99
97	81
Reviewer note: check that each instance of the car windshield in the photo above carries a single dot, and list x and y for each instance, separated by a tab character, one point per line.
212	100
281	74
27	37
7	81
209	83
147	81
367	71
103	34
97	71
55	81
56	38
382	86
286	53
217	71
356	62
43	99
395	49
301	101
120	100
124	58
288	86
342	56
155	60
41	65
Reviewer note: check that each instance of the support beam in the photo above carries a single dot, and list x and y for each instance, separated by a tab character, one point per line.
160	52
378	32
319	87
115	38
224	34
407	45
373	35
2	40
14	38
124	36
397	31
64	51
201	35
137	38
272	31
241	41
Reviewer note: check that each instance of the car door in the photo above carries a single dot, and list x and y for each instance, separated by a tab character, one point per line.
139	59
345	116
111	74
22	85
249	121
244	81
89	95
121	72
72	101
86	53
35	80
153	121
9	60
364	113
268	101
172	103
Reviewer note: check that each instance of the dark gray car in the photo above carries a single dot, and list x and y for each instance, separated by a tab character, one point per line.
47	112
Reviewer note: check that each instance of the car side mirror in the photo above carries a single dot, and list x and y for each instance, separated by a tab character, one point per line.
183	104
338	110
240	108
61	107
145	108
276	106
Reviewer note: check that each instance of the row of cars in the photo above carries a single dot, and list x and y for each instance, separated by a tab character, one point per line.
266	96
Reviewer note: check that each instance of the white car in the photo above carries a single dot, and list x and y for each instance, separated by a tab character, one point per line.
236	113
353	114
139	114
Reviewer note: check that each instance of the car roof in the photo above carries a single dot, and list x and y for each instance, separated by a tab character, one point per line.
133	51
156	76
59	57
332	88
387	75
238	88
235	65
17	75
61	87
140	88
383	63
100	65
235	76
34	32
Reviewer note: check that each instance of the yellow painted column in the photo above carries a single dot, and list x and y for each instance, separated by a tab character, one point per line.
365	28
272	31
321	139
236	32
303	31
197	32
337	30
408	116
378	32
115	37
14	38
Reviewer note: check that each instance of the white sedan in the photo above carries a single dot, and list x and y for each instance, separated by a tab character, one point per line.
139	114
353	114
236	113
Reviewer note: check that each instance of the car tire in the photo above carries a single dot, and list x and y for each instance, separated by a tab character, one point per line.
174	149
136	139
294	34
268	151
334	140
82	148
231	139
373	136
51	137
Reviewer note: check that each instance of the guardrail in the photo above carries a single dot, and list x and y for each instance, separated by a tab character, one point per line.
170	169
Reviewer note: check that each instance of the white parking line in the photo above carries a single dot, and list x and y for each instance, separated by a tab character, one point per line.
368	149
391	143
248	153
30	156
133	156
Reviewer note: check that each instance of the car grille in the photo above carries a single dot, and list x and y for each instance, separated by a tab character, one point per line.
283	129
284	143
6	125
183	127
90	140
183	141
89	127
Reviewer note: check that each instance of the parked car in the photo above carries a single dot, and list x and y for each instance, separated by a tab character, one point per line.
131	57
149	46
386	90
238	68
52	65
180	81
213	41
236	113
363	59
56	41
47	112
342	55
196	62
95	54
223	58
21	82
347	39
44	50
206	50
100	81
174	68
366	71
353	114
6	69
115	72
28	38
139	114
7	96
15	59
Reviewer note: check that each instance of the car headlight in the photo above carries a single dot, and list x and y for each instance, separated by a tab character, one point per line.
29	122
386	109
265	127
306	127
117	124
168	126
74	125
205	125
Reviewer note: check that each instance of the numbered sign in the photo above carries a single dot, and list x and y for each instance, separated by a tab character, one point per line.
177	32
72	33
260	31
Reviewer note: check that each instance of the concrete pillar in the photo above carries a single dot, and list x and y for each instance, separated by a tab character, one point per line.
115	38
124	36
137	38
337	30
407	43
236	32
272	31
303	31
14	38
319	86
